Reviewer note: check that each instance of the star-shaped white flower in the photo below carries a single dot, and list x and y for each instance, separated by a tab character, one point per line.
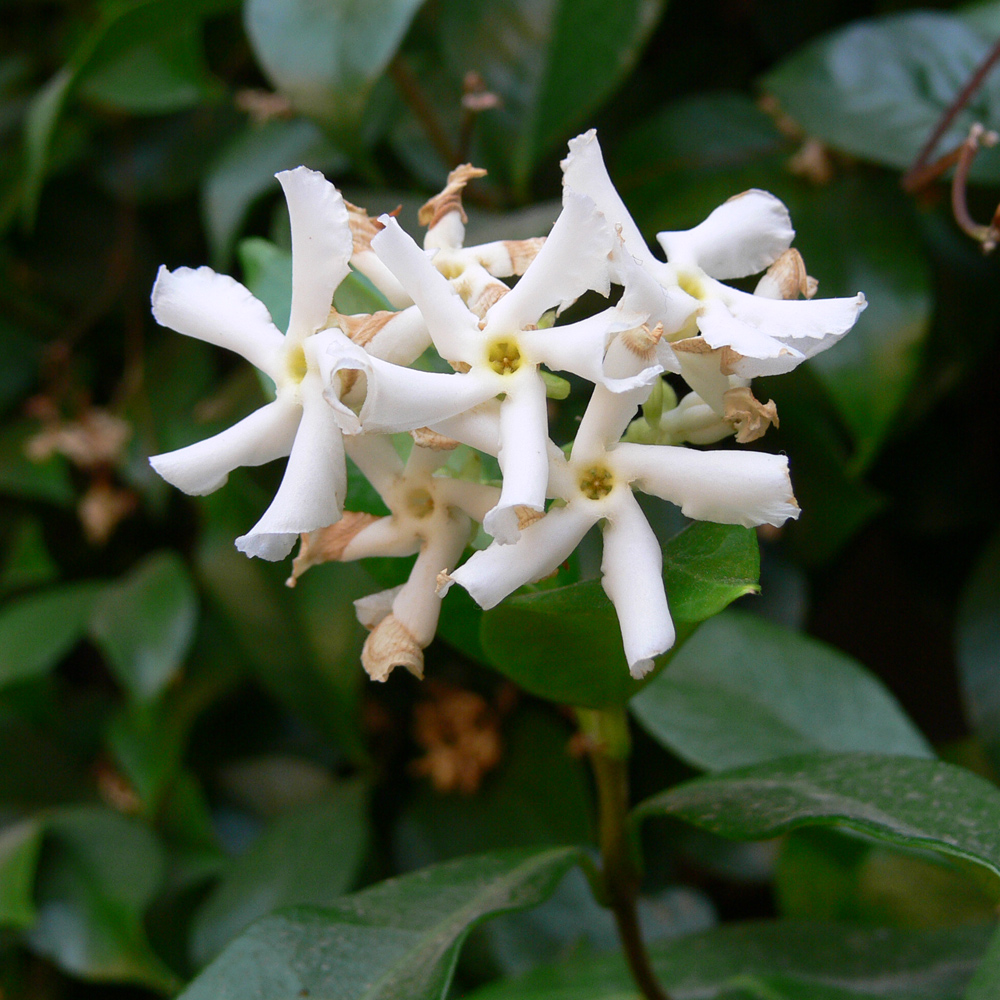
746	334
500	355
299	422
595	484
429	515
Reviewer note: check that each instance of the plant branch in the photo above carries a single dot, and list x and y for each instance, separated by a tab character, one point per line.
608	746
917	175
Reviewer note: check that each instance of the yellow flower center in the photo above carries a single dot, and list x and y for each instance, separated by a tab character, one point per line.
597	482
297	364
419	503
504	357
692	284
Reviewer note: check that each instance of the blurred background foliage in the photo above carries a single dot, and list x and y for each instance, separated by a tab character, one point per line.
186	745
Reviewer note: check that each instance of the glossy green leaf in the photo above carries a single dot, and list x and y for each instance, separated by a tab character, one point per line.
397	939
158	75
268	271
877	88
20	844
124	30
553	64
858	234
144	624
94	886
245	169
38	630
985	984
772	961
565	644
325	58
979	648
826	874
306	857
914	803
742	691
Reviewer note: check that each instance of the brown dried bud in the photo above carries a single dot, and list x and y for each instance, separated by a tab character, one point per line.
391	645
362	329
642	341
749	415
786	278
426	438
527	516
450	199
328	544
728	358
523	252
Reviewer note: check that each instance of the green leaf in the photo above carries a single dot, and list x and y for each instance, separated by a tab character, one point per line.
326	57
245	169
743	691
985	984
565	644
399	938
777	960
553	65
268	271
858	234
38	630
305	857
145	623
19	848
878	88
125	31
28	563
47	480
978	641
906	801
98	875
156	76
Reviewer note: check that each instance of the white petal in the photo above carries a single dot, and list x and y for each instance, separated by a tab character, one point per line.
796	321
493	573
388	536
702	373
584	172
743	236
321	247
604	421
475	499
219	310
759	354
398	398
573	260
523	457
377	459
418	605
632	569
311	494
479	427
581	348
403	339
382	278
453	328
729	487
260	437
373	608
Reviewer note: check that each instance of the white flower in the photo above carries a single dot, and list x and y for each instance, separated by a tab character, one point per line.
298	423
500	354
745	335
596	484
430	515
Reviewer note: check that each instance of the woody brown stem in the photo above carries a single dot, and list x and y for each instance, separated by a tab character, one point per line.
608	745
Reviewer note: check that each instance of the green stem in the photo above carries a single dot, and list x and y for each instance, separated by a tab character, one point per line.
608	745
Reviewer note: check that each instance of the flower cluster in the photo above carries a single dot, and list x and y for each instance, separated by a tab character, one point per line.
344	384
